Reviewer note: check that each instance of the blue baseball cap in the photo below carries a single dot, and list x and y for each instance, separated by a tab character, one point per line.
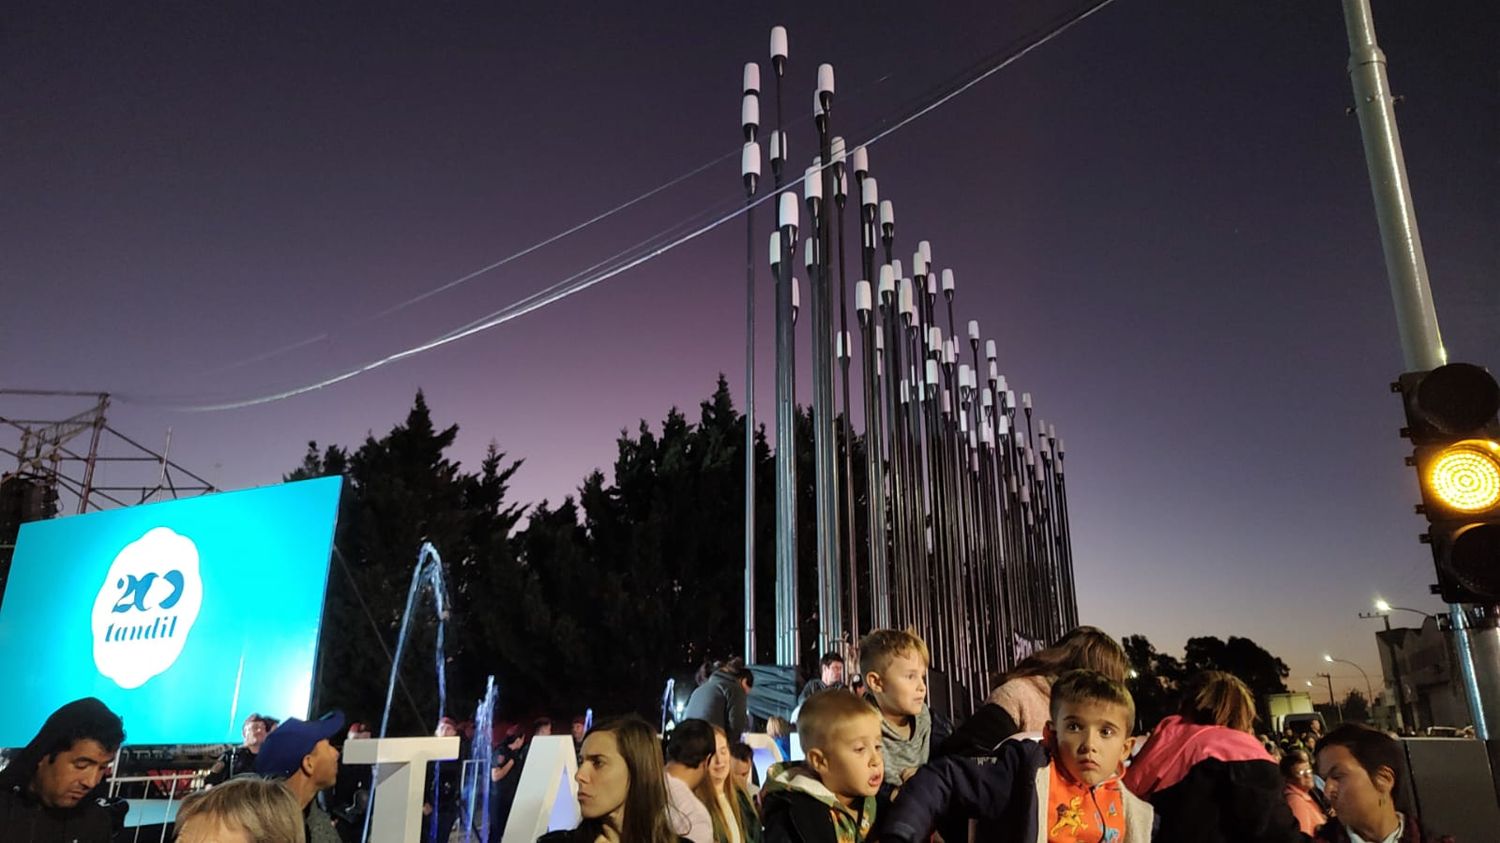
282	751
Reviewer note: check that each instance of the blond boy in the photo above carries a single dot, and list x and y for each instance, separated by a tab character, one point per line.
894	665
830	796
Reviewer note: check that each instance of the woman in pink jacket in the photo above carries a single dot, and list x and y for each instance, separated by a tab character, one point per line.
1298	772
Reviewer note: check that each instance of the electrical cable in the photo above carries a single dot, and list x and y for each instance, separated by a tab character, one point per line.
587	278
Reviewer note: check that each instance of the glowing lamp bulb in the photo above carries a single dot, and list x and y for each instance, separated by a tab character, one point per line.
1382	606
1466	476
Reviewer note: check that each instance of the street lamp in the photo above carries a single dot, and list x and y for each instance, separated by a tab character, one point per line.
1368	690
1384	608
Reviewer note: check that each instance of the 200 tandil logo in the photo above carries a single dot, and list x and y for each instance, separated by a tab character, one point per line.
146	607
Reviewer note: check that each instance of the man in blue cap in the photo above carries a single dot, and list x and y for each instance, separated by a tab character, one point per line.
299	753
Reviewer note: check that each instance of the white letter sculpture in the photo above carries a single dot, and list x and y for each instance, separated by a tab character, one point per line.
547	795
400	775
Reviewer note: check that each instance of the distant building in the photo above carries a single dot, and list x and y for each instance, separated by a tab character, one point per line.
1431	686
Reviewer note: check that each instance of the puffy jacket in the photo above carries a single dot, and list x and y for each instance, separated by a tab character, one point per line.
797	808
1211	784
1008	797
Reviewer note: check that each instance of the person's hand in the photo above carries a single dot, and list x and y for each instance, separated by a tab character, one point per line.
426	809
496	774
908	773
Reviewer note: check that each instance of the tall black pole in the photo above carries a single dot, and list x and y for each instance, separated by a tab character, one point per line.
750	173
786	407
870	328
845	355
825	475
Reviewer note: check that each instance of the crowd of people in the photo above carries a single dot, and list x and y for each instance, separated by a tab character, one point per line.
1053	755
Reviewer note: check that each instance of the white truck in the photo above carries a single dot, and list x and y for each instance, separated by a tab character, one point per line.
1292	708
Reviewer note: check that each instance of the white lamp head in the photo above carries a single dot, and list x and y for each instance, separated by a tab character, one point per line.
778	46
788	216
750	160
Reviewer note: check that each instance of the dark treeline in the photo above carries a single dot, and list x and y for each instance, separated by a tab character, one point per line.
1158	676
592	603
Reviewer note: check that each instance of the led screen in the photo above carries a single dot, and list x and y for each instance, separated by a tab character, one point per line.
182	616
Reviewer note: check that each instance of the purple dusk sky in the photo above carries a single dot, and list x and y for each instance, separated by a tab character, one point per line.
1163	218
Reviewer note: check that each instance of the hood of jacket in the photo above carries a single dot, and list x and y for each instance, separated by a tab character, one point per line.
55	732
786	782
1177	745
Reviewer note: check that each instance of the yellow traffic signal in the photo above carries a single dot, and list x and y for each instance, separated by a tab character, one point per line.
1465	476
1453	421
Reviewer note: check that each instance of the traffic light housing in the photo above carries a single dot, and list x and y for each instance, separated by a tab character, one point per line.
1451	418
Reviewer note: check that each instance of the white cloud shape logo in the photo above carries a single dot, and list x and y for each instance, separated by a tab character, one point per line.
146	607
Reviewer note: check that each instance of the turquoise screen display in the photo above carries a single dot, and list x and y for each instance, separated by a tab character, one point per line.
184	617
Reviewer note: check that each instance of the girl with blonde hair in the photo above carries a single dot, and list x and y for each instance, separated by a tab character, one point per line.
243	810
728	800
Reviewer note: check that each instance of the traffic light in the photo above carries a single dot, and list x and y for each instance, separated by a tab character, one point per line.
1451	418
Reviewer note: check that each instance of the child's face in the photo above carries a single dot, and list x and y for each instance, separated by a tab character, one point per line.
853	764
902	687
1090	739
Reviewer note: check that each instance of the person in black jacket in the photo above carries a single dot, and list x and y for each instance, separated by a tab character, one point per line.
1208	777
622	791
44	790
830	675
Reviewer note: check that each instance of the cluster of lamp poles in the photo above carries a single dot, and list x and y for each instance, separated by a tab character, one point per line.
967	536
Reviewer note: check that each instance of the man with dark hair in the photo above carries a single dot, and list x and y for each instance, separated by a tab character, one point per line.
830	675
690	749
44	792
241	759
743	766
723	698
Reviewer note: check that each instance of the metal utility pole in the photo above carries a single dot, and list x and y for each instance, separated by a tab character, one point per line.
1416	318
1390	646
1332	700
750	174
825	475
786	398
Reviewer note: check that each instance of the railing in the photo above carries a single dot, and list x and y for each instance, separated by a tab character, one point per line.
160	792
155	797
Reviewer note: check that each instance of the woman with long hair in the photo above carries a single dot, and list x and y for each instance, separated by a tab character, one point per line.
622	791
729	805
1021	702
1297	771
1207	775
